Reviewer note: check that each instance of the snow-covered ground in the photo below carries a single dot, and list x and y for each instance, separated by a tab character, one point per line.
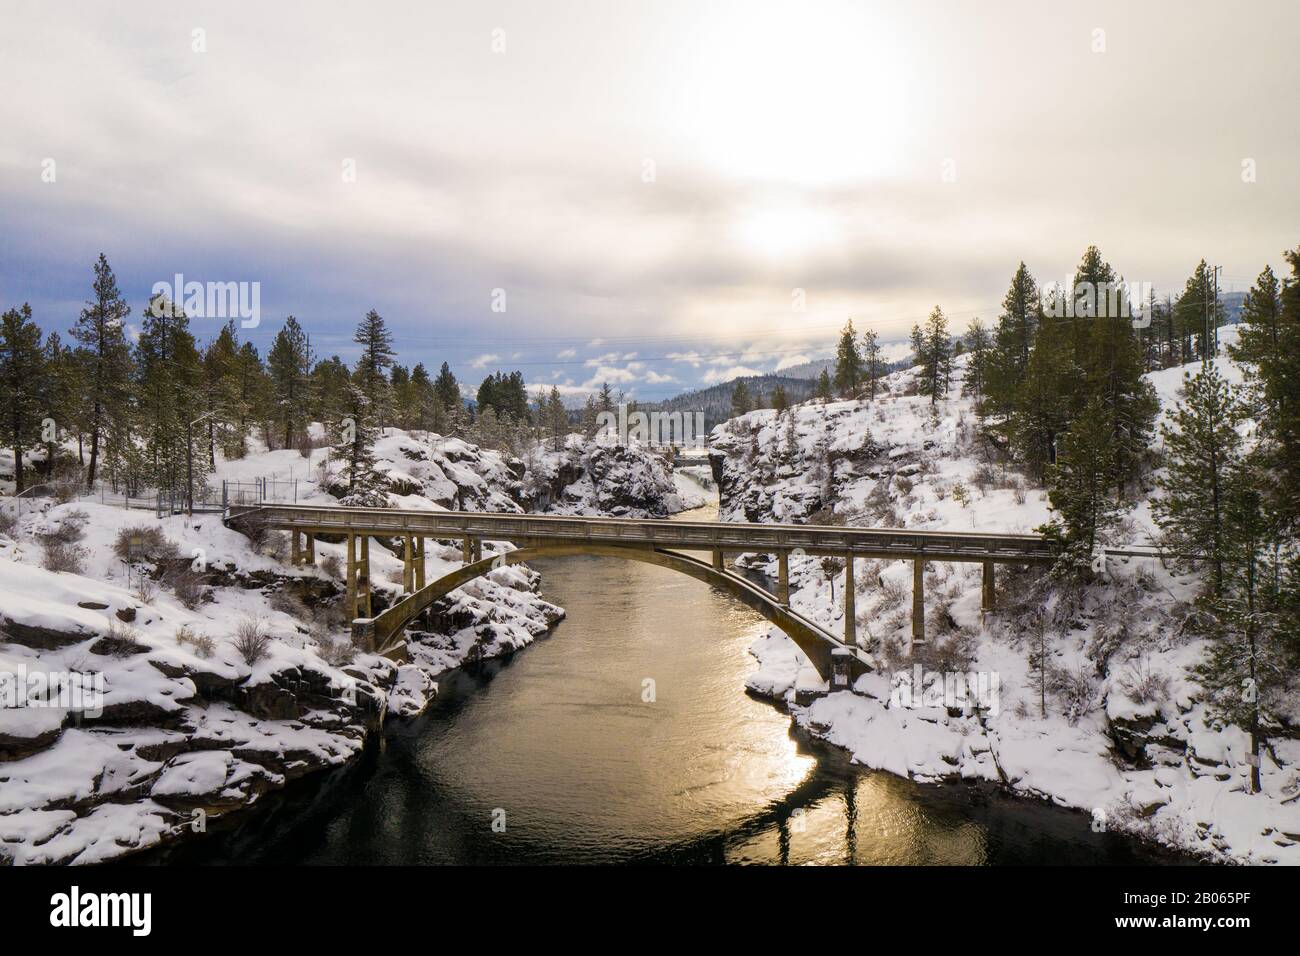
1127	741
186	725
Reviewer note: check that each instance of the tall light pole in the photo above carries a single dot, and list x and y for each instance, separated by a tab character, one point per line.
189	462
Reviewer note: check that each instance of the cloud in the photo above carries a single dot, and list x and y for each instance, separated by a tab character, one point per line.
715	375
482	361
792	360
566	354
691	358
654	378
611	374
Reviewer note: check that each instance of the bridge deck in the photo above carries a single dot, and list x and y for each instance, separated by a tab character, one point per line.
684	535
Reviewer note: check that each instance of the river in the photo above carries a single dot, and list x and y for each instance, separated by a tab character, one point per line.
564	753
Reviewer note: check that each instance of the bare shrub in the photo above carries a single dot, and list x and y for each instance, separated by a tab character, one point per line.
949	653
1078	690
151	547
1018	492
252	640
65	491
1142	684
187	585
335	651
903	485
331	566
983	478
58	556
893	593
146	590
286	603
203	645
70	529
8	522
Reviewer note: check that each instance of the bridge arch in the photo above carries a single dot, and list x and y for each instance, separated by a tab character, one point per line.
383	632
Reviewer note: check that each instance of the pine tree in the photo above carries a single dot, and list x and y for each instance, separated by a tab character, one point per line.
62	396
979	345
1078	486
1260	334
873	367
935	356
824	393
848	363
1013	341
252	390
780	401
372	367
353	438
100	332
446	390
1040	411
23	384
1279	390
290	381
1202	448
1249	674
740	399
221	393
169	389
422	400
556	417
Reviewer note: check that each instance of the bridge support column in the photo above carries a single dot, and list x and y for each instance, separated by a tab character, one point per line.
717	560
783	578
352	577
918	601
311	547
850	605
989	596
363	597
420	567
466	551
295	551
476	549
841	662
408	564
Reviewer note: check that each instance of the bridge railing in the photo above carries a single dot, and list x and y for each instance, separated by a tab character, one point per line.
731	536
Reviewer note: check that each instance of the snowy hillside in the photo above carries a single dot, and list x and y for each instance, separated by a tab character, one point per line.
1125	737
227	672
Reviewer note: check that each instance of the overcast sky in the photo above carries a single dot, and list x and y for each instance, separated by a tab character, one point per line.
650	182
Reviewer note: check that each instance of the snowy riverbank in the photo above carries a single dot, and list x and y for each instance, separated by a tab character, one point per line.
1126	737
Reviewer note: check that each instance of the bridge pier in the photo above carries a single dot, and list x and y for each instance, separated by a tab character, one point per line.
363	580
918	601
717	560
295	553
310	538
988	598
352	577
850	605
408	564
420	566
783	578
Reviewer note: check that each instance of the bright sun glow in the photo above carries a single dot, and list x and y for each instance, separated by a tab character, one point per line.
782	231
788	95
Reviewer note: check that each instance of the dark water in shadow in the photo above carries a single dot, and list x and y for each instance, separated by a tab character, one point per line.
562	740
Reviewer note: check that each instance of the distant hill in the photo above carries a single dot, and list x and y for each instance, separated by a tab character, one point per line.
715	401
